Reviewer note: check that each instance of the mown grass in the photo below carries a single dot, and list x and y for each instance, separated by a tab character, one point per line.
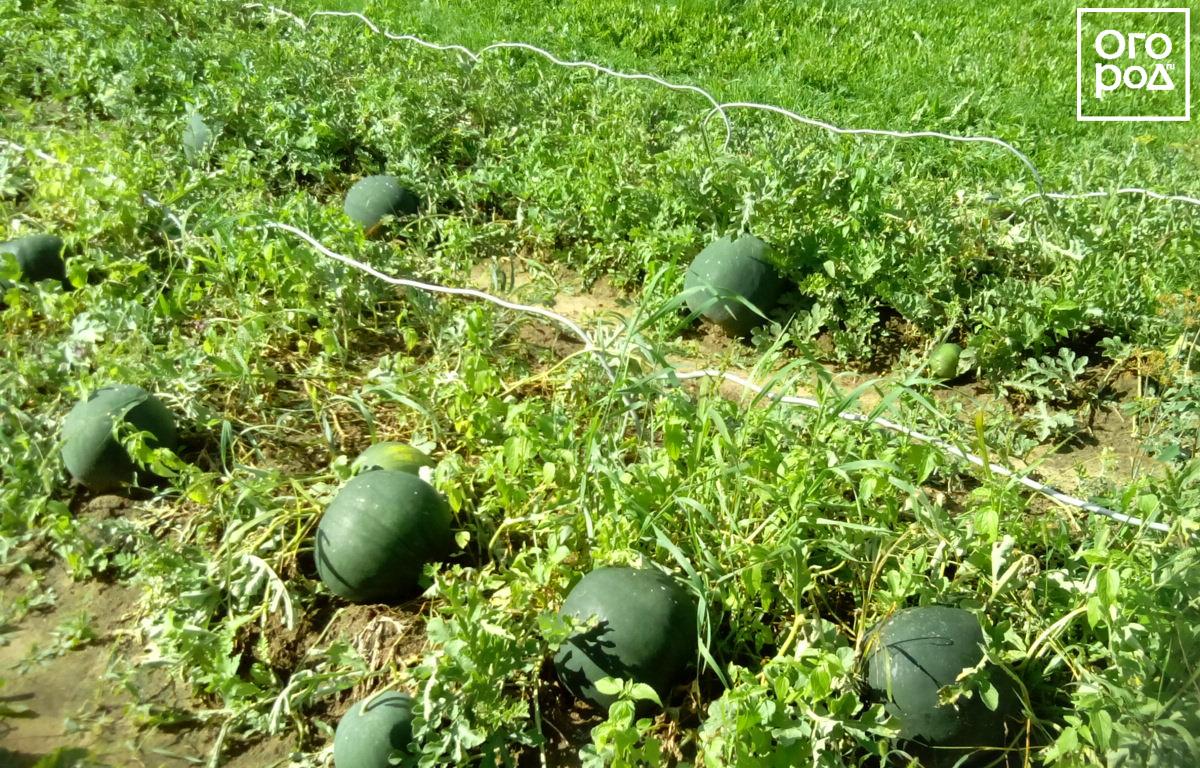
796	530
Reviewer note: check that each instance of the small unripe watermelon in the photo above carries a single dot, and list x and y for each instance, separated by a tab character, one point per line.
943	363
39	257
372	730
731	268
401	457
92	454
378	533
374	197
646	632
918	651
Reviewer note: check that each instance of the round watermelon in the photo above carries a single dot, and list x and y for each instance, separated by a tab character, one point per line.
918	651
38	257
373	730
91	452
943	363
645	632
374	197
378	533
726	272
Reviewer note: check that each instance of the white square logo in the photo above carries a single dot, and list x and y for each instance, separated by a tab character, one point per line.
1133	64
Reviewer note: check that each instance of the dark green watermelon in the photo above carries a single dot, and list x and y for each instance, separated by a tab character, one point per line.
92	454
918	651
372	730
378	533
392	455
646	632
725	270
39	257
374	197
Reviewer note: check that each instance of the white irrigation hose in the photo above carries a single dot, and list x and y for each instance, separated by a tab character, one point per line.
46	156
589	345
722	108
830	127
716	107
475	56
1110	193
936	442
806	402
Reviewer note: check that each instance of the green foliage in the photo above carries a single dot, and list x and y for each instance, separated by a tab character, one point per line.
67	757
624	740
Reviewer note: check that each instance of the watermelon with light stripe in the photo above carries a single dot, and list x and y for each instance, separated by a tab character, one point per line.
198	138
392	455
943	363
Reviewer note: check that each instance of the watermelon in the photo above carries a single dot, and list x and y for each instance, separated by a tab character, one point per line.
374	197
943	363
728	269
90	451
38	257
378	533
918	651
645	632
391	455
373	730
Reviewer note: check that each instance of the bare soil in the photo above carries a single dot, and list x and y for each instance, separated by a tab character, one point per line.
71	696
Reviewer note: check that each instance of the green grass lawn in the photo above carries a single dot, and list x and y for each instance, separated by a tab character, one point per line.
795	531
